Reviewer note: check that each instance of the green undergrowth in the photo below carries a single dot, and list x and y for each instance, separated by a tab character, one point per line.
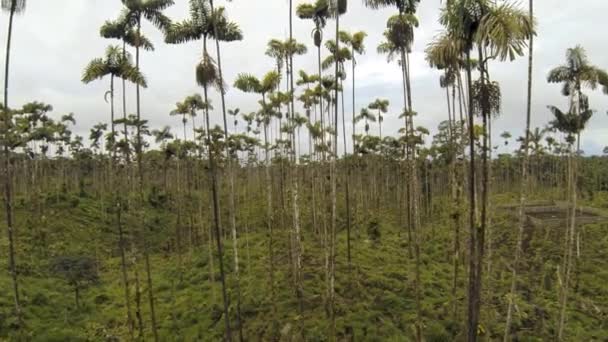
375	294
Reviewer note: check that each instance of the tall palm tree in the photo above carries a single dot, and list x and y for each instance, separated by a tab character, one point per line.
295	48
119	29
115	63
498	31
577	73
227	31
251	84
206	23
132	15
338	8
355	42
13	7
399	37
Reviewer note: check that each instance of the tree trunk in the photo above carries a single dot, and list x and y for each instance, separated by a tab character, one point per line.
333	175
216	212
269	222
295	185
568	252
524	186
8	177
473	293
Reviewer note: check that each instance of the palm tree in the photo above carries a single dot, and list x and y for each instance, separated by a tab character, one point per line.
339	7
131	17
355	42
203	23
133	13
574	75
235	113
188	107
276	49
115	63
381	105
195	103
13	7
366	115
399	37
251	84
499	31
183	110
119	29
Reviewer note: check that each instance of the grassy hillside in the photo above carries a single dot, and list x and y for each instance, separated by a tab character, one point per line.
375	297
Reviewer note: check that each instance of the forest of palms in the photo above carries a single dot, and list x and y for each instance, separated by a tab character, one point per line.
275	223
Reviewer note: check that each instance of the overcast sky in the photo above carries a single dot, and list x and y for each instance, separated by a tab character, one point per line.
54	40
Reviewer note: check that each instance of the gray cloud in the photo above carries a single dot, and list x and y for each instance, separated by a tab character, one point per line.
52	44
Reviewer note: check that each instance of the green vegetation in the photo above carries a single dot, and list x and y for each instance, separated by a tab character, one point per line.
375	299
244	234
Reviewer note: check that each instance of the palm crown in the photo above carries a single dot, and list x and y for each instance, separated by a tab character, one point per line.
116	63
16	6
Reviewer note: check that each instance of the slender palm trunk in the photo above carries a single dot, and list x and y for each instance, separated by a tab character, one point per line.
112	125
347	181
455	213
569	245
354	110
473	293
333	175
231	191
269	220
294	179
216	214
121	242
413	198
8	178
124	102
140	170
524	183
524	186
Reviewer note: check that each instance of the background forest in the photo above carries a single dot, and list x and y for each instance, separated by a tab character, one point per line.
297	219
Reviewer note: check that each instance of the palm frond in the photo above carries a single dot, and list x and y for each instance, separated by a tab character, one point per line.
112	30
132	74
270	81
157	19
559	74
247	83
328	62
182	32
17	6
229	32
506	30
132	38
96	69
357	42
